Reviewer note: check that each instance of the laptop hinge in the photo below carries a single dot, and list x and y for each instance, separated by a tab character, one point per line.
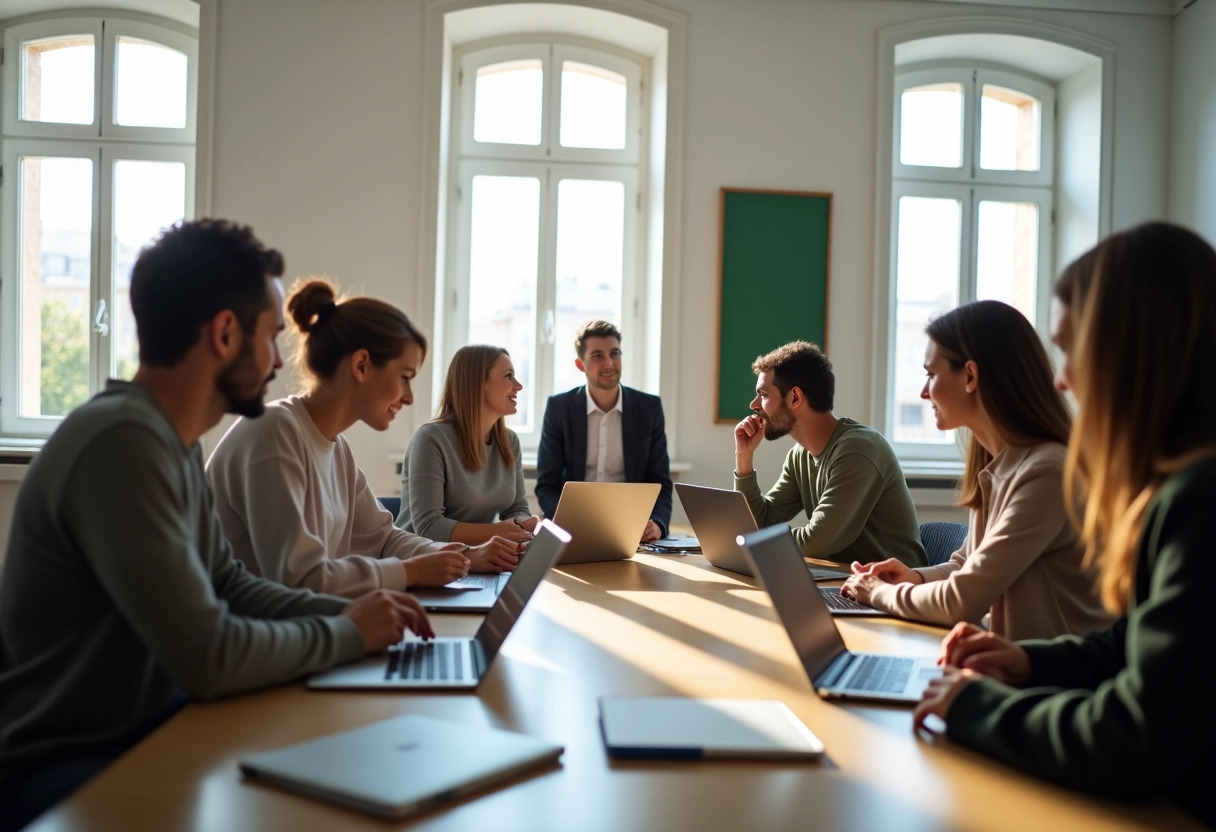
479	658
835	671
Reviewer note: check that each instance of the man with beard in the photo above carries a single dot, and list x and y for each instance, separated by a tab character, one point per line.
120	597
842	473
604	431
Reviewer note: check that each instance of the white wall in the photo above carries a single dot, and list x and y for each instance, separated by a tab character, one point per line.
317	146
1078	164
1193	138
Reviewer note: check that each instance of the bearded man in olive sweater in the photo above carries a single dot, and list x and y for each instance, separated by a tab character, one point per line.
120	598
843	474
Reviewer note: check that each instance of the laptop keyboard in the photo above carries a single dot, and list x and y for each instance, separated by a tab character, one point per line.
840	602
428	660
882	674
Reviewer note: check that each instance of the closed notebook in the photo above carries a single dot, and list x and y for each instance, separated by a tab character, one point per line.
684	728
401	766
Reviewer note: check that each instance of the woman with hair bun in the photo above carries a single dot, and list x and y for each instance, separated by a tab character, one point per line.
291	499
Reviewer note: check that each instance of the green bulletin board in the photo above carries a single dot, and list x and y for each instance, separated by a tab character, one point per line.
775	253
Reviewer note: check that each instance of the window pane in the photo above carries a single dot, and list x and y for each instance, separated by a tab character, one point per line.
56	222
151	84
931	126
1009	130
593	107
1007	266
502	275
590	261
927	272
57	79
507	102
148	196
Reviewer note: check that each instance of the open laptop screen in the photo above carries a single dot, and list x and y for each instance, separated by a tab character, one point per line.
777	561
542	553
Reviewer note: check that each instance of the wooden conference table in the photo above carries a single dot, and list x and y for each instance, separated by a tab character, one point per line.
656	625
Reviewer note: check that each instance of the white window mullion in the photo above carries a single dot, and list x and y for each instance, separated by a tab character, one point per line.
546	303
101	292
969	246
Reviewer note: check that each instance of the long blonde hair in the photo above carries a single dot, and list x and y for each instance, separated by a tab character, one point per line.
1141	307
1016	390
460	405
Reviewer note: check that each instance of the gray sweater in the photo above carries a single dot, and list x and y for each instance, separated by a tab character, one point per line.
119	591
438	490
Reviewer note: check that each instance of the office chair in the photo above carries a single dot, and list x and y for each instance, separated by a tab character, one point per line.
393	505
941	540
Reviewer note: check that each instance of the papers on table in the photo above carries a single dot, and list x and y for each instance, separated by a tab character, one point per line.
674	544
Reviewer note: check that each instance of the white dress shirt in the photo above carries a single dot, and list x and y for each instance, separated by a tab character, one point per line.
605	452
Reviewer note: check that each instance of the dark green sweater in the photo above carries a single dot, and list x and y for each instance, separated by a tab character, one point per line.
1127	712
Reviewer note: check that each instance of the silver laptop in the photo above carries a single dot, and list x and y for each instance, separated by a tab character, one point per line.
455	662
605	519
401	766
832	669
475	592
719	516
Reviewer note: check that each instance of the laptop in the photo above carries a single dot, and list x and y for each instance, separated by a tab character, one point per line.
455	663
720	515
402	766
834	671
683	728
605	519
475	592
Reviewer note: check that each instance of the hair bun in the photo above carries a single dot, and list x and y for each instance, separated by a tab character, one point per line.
311	302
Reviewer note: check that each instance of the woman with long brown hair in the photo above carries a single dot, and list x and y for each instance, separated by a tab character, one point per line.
1126	712
463	477
1021	564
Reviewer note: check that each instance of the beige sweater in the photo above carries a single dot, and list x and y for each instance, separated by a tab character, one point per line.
1021	561
299	511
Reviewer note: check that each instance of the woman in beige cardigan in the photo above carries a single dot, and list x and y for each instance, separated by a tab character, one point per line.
1021	562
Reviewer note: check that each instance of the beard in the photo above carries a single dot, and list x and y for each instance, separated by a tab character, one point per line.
240	385
779	424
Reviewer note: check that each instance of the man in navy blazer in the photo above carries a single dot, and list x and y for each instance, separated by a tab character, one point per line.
626	428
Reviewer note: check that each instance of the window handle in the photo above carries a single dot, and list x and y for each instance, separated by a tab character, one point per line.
547	328
101	320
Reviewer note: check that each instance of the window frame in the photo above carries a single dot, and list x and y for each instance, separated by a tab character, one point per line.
971	185
551	163
102	142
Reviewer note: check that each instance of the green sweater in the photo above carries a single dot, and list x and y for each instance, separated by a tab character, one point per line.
855	497
119	591
1126	712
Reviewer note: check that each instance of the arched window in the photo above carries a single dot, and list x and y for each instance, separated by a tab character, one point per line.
550	150
971	215
97	156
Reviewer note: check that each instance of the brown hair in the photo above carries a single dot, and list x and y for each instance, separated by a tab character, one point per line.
1142	312
460	404
331	329
1016	389
803	365
594	329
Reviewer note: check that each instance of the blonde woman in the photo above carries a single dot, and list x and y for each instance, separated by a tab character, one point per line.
292	501
463	477
1021	563
1126	712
